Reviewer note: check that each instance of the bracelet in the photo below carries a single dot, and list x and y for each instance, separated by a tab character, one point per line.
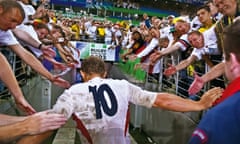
39	47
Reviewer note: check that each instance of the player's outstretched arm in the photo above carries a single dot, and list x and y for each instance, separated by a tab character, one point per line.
175	103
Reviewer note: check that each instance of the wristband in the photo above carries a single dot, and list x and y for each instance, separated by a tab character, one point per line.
39	47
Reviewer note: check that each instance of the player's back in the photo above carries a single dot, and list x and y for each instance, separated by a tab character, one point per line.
102	104
109	104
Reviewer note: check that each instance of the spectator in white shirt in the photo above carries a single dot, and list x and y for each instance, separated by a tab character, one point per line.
203	43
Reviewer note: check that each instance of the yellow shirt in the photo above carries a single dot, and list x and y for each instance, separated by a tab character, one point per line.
54	19
101	31
75	28
203	29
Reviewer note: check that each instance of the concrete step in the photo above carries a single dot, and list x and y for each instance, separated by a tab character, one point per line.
67	135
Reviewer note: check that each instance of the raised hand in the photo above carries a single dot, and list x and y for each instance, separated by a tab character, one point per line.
60	66
57	80
47	50
44	121
24	105
197	85
210	96
171	70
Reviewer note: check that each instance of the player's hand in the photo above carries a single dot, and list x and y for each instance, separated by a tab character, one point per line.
210	96
24	106
196	86
171	70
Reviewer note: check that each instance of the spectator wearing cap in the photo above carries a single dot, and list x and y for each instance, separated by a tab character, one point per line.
170	19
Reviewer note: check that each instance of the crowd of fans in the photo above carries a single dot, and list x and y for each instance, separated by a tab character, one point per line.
154	38
126	4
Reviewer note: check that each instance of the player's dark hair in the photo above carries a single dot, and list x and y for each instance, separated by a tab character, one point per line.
93	65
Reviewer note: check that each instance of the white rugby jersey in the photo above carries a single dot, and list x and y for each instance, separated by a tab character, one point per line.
102	105
183	42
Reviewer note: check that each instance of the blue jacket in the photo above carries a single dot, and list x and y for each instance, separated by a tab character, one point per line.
221	124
